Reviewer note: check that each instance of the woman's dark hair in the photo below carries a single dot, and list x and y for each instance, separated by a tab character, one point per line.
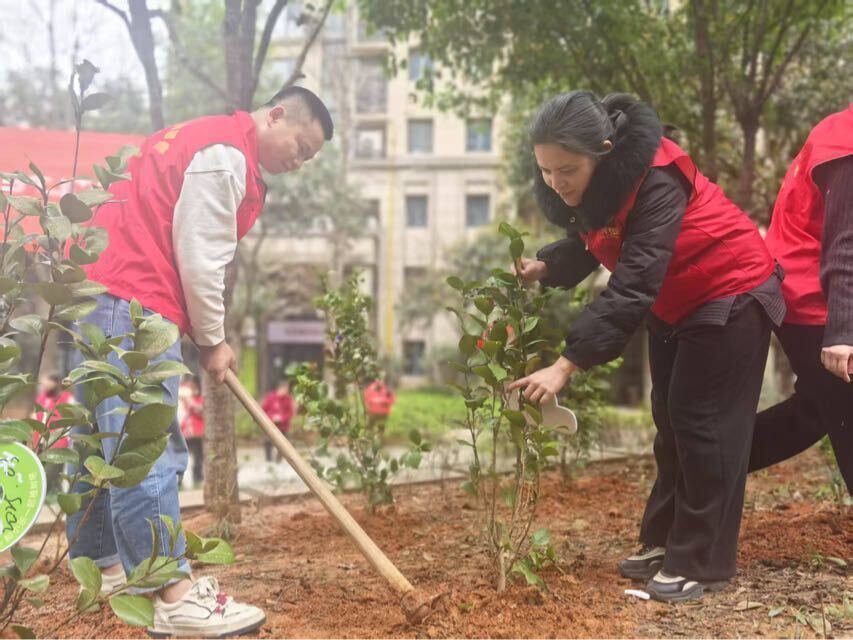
579	122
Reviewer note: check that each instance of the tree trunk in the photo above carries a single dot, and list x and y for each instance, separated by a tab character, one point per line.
707	88
143	42
743	193
221	491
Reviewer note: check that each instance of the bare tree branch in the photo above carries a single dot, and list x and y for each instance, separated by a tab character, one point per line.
184	58
264	45
296	74
121	14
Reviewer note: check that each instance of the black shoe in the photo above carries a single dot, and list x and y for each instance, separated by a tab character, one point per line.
643	564
667	588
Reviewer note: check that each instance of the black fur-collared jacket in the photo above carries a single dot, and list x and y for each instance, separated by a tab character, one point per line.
603	329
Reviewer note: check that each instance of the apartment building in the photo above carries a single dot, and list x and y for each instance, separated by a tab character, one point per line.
431	178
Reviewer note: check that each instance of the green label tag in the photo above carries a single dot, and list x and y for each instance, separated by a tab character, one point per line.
22	491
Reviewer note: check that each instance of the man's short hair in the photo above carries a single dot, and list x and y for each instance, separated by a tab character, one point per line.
311	101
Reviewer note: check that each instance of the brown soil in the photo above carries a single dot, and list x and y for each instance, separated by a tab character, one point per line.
296	564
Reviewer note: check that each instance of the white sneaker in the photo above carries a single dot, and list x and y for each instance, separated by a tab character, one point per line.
112	581
204	612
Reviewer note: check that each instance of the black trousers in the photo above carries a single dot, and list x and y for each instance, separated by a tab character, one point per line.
706	381
822	404
196	449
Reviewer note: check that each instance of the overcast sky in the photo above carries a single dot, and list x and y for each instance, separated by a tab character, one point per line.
99	34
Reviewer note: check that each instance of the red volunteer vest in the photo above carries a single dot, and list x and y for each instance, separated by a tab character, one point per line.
718	252
796	229
140	260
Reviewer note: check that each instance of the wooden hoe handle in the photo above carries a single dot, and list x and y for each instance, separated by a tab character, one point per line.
367	547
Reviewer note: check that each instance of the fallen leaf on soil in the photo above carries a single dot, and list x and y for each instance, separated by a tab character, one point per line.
820	624
744	605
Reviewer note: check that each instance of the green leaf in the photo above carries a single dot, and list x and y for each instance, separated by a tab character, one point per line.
150	421
87	601
38	584
102	367
468	345
508	230
154	336
86	573
30	324
59	456
162	371
23	632
135	360
220	554
57	227
92	333
7	284
155	573
415	437
106	177
95	101
516	418
775	611
81	256
137	611
530	323
85	74
24	558
521	567
53	293
25	205
99	468
498	371
74	209
456	283
70	503
136	459
94	197
516	248
484	304
16	430
87	288
541	537
38	174
136	311
195	545
76	311
68	273
36	603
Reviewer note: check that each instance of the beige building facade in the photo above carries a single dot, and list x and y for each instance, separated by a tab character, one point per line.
431	177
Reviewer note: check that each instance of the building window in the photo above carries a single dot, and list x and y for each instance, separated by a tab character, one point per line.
371	206
419	64
478	135
370	142
420	136
414	352
416	212
476	211
291	24
414	277
371	87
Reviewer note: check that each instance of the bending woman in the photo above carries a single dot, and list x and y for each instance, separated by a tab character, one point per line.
694	267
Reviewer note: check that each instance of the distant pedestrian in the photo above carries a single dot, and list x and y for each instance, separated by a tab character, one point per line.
278	405
191	419
378	400
50	395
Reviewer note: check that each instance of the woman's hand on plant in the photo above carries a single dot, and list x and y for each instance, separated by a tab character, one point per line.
546	382
531	270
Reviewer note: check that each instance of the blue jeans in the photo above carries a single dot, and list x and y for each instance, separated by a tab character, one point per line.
116	529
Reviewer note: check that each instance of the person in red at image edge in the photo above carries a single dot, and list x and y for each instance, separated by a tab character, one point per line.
689	263
191	419
811	234
278	405
378	400
194	190
50	395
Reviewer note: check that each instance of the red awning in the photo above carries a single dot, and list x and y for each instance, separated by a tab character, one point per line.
52	151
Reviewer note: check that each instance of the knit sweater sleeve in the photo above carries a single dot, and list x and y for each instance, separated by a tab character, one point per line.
204	235
835	180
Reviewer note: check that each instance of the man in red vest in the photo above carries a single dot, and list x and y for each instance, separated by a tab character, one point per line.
194	190
811	234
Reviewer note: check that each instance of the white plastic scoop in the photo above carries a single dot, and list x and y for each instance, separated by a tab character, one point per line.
554	416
